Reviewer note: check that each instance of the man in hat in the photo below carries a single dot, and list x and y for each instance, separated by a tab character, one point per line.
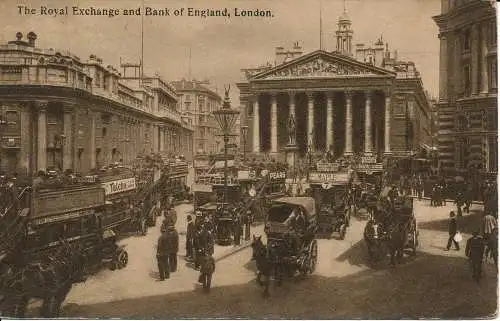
190	235
173	247
162	256
474	250
452	230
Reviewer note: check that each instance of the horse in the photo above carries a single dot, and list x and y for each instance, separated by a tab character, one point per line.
265	266
375	239
382	240
49	279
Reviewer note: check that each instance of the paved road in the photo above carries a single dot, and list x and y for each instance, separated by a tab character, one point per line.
433	284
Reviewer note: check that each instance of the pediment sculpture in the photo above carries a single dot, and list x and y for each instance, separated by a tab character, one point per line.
319	68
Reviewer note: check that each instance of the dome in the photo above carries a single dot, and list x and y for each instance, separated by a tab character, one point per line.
344	18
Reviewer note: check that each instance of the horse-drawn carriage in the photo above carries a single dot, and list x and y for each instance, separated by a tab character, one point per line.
334	213
290	229
392	229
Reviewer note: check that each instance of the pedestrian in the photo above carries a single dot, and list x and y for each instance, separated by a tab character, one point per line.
492	245
459	200
452	231
474	250
173	247
170	217
162	256
207	270
198	246
248	222
237	229
190	235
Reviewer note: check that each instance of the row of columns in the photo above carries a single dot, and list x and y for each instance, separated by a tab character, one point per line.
479	59
130	131
329	123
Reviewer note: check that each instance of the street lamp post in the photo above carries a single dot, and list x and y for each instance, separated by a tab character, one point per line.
244	132
226	117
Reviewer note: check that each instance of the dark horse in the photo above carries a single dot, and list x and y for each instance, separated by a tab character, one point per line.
265	266
268	263
49	279
381	240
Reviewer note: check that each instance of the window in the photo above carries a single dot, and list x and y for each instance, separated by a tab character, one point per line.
12	118
98	80
467	80
492	73
466	39
11	73
188	98
105	83
201	119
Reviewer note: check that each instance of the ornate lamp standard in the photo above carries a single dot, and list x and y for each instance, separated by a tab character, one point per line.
226	117
244	133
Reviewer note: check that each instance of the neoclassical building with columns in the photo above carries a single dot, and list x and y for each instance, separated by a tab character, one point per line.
363	103
57	111
468	88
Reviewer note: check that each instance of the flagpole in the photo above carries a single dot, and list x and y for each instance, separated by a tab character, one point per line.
142	42
320	25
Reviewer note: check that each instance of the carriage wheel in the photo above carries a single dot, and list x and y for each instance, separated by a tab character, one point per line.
342	231
122	259
414	243
313	257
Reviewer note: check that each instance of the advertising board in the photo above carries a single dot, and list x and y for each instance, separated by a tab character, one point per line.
329	177
118	186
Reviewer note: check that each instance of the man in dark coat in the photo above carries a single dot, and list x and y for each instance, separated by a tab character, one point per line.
452	230
190	235
237	228
173	247
170	217
162	255
474	250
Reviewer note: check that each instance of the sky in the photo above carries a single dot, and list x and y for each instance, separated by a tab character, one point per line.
220	47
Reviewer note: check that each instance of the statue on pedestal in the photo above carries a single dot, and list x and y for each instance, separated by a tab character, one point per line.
291	130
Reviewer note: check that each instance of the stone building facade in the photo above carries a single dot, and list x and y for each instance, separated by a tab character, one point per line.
58	111
196	103
467	106
340	100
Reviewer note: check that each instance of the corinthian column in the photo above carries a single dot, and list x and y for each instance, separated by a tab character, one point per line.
475	51
68	141
42	135
92	139
274	124
348	123
310	119
368	123
256	125
329	120
484	59
387	130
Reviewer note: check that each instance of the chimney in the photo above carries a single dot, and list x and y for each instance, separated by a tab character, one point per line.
280	52
31	39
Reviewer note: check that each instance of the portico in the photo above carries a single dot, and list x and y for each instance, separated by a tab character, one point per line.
338	104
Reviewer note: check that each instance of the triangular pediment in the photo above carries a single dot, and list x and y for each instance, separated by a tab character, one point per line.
322	64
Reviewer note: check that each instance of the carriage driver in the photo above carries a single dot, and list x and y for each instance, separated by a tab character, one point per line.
296	221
